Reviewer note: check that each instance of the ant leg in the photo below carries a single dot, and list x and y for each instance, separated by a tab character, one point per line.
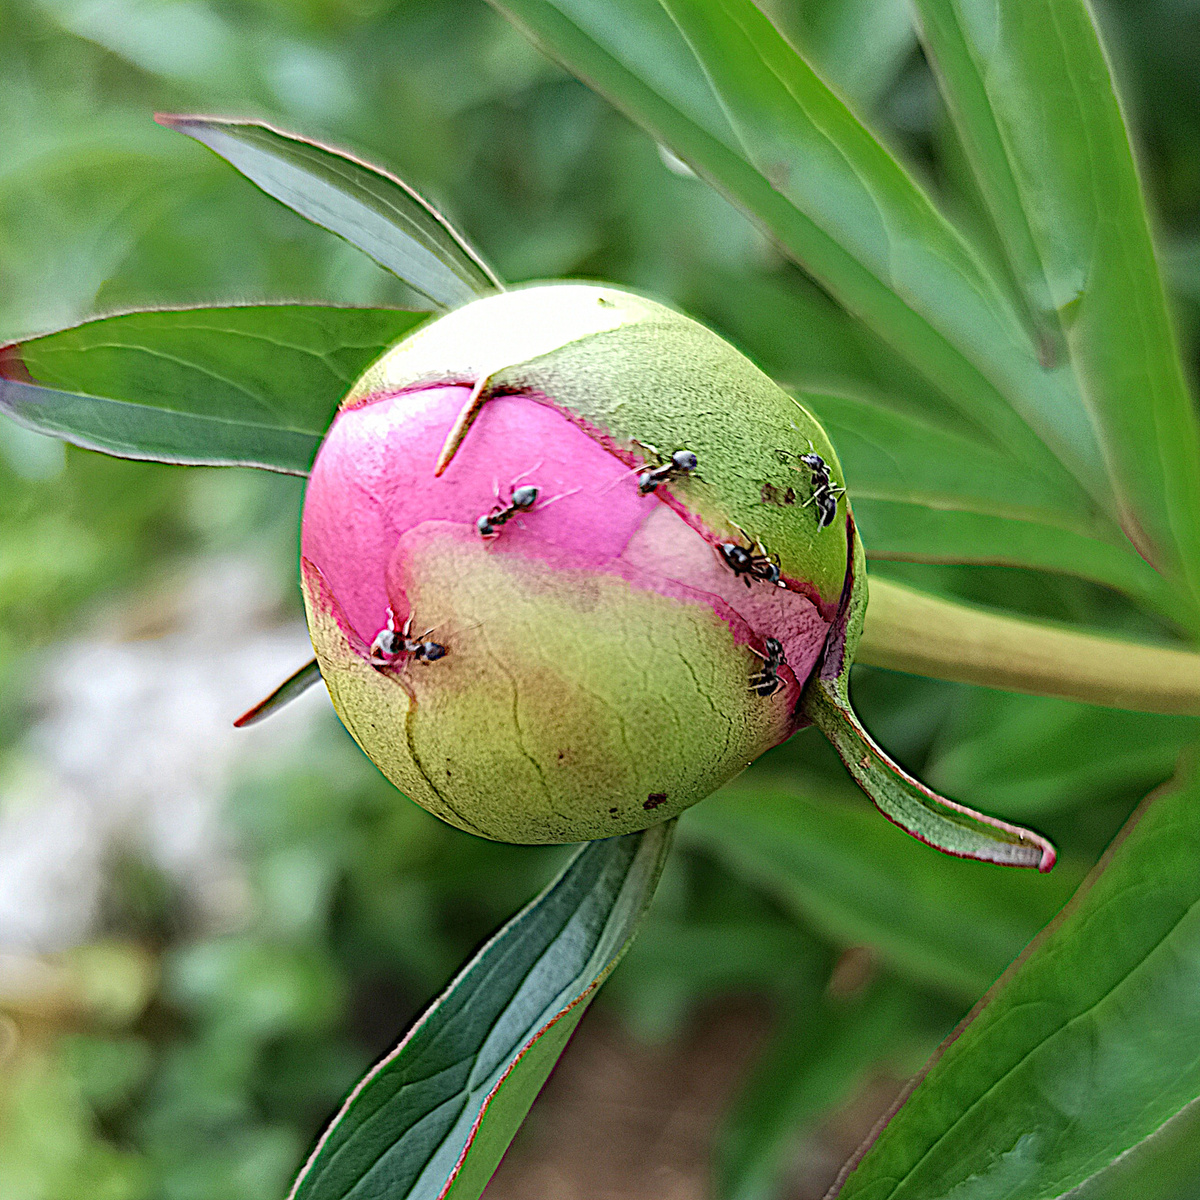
536	466
540	504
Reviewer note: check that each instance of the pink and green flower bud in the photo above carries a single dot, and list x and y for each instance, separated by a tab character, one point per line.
594	656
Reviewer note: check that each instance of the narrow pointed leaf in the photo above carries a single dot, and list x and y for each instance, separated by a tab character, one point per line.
1082	1052
908	803
435	1116
905	801
364	204
294	685
717	83
240	386
1033	98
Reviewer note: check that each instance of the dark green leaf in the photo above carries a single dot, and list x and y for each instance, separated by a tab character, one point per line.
1034	102
827	855
241	386
922	494
1085	1050
370	208
155	434
435	1116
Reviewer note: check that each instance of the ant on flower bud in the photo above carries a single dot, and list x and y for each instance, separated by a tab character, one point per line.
389	646
766	682
681	463
522	500
754	563
825	492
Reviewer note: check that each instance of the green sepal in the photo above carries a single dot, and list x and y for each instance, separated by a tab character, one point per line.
905	801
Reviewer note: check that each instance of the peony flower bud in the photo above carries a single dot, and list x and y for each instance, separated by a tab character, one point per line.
569	559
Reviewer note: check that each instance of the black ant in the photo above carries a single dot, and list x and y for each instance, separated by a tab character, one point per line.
681	463
825	492
522	500
766	682
389	645
755	563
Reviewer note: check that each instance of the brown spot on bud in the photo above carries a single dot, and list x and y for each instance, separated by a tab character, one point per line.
654	800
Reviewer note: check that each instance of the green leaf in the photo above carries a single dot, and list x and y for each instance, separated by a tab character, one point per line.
1087	1048
434	1117
155	434
364	204
1163	1167
1033	99
813	1063
242	386
923	494
1030	755
806	341
826	855
294	685
715	81
857	46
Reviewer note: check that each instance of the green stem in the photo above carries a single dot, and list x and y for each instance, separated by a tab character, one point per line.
912	631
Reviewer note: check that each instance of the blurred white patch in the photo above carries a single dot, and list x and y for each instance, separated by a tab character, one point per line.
136	751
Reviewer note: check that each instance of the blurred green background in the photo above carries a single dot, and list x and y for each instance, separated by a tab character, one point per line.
205	936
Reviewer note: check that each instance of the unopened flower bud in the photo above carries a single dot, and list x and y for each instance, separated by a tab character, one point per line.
627	544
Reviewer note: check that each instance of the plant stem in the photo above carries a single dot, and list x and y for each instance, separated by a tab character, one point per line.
912	631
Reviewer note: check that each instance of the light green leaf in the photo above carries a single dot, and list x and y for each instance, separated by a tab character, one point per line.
857	46
241	386
1032	96
1086	1049
364	204
435	1116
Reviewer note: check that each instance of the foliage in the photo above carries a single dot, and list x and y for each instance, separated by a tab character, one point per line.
960	316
